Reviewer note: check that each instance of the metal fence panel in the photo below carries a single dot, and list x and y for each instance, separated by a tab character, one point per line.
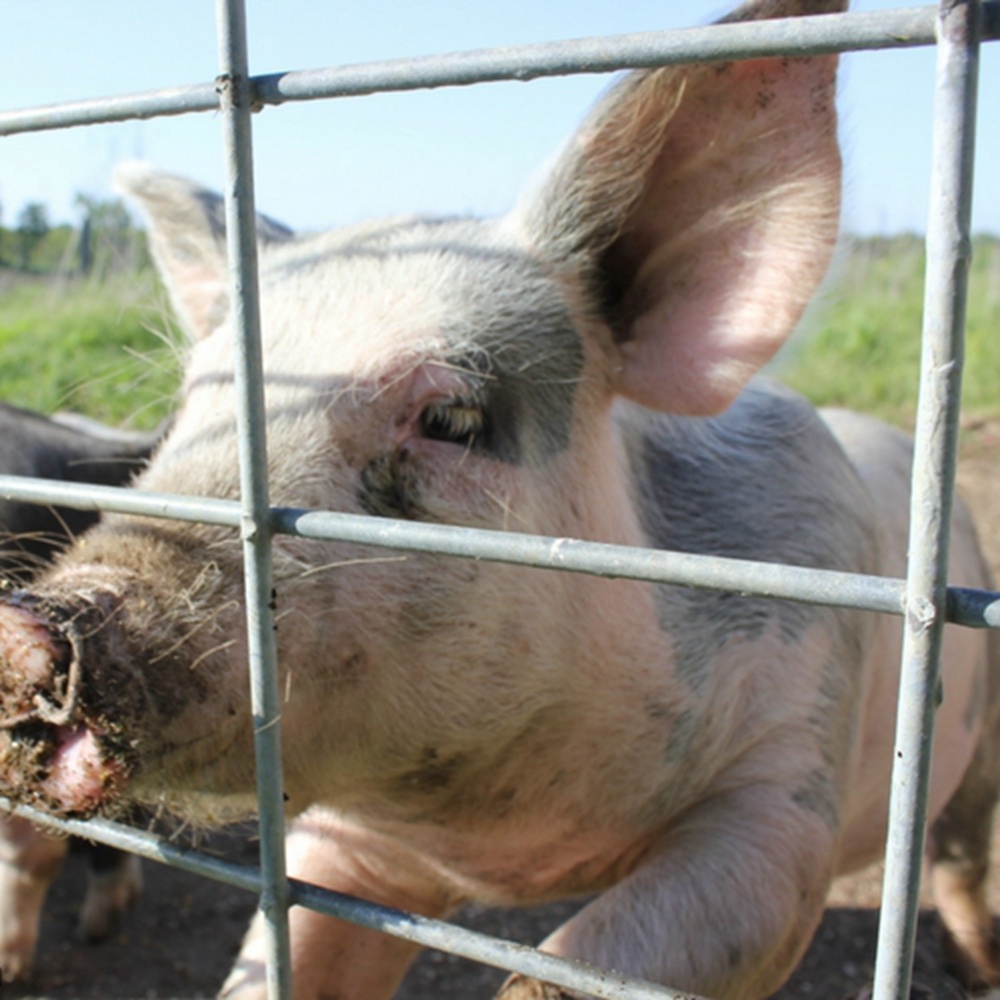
233	84
948	252
924	600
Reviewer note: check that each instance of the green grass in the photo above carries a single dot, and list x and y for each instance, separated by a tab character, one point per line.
94	347
860	346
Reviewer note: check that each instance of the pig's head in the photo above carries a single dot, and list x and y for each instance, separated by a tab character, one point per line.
452	371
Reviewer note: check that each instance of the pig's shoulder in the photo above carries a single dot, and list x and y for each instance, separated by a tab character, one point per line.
765	480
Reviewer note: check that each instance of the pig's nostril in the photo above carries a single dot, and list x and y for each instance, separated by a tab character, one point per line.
38	671
25	645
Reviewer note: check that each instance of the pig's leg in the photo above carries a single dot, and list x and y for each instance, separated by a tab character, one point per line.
29	861
114	883
724	909
959	847
333	958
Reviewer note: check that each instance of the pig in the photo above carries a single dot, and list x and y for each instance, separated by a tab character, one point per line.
66	447
701	764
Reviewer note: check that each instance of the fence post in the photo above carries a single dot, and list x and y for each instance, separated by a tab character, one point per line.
948	253
233	85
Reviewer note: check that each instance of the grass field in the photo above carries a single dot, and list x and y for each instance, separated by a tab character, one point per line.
108	349
860	346
101	348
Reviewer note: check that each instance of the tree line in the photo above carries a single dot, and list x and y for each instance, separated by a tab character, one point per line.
104	241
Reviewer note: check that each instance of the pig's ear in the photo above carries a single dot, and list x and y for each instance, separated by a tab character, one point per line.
702	205
188	241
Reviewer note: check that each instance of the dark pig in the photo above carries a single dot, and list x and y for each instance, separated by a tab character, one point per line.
454	730
67	447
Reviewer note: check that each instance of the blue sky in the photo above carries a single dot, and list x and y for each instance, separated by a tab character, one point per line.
457	150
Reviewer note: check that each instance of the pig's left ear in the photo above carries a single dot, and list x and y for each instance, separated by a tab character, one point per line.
188	241
701	204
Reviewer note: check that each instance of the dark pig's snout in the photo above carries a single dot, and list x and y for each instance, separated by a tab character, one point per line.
54	745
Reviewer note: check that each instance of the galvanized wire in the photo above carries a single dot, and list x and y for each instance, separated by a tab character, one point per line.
903	28
949	249
965	606
255	528
421	930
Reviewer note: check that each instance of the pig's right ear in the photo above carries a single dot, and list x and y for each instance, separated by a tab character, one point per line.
188	241
700	204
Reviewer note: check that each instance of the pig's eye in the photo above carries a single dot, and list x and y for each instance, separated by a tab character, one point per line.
457	421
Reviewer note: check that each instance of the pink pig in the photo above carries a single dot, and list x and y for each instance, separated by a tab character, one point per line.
455	730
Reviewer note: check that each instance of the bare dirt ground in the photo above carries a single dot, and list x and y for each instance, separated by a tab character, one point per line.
182	936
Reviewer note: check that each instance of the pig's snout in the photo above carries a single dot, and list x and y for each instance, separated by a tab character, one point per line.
37	662
52	748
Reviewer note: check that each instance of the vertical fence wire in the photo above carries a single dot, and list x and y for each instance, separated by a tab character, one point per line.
235	104
936	442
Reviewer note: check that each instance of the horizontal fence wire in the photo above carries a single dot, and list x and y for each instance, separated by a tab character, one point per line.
424	931
878	30
902	28
966	606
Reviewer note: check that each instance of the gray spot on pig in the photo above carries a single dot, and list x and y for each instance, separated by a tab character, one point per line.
679	729
834	718
681	736
513	329
702	484
387	487
434	773
710	621
734	955
509	326
819	796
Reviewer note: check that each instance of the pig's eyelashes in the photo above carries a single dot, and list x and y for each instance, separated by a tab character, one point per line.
454	421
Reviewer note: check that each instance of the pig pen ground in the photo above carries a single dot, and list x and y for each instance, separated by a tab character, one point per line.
181	937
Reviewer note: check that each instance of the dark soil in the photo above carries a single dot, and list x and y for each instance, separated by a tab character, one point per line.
182	936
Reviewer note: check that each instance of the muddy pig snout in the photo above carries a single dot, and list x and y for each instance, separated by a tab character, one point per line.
51	748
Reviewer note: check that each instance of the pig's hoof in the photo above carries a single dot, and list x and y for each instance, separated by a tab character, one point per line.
16	959
522	988
973	959
109	896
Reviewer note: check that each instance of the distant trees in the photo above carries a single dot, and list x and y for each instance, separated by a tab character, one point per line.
32	227
105	239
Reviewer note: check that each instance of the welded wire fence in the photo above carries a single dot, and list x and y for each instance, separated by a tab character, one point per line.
923	599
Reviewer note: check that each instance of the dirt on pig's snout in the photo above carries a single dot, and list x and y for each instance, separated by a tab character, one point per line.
69	702
90	679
